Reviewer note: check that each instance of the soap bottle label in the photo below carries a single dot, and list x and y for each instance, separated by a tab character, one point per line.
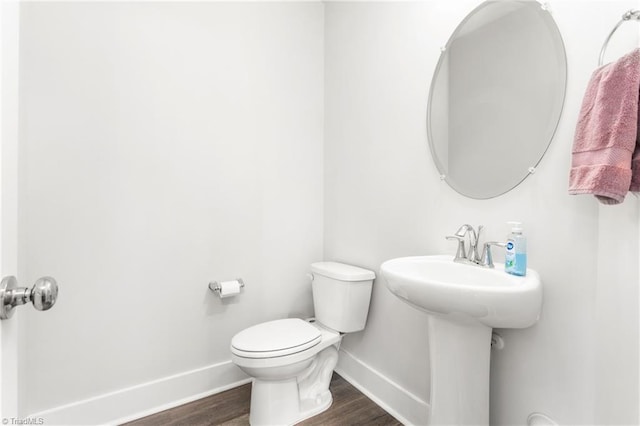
515	259
510	256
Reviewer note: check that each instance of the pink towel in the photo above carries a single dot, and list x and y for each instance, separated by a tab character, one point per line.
635	161
607	133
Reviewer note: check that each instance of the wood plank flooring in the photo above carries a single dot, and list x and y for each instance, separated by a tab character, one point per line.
231	408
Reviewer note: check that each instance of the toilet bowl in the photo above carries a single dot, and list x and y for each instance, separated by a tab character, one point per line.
292	360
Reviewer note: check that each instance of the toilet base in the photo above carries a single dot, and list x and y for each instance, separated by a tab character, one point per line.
277	403
289	401
310	410
274	402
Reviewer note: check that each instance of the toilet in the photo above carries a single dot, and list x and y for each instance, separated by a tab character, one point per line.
292	360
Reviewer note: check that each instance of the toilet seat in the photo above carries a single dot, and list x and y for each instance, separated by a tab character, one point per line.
275	339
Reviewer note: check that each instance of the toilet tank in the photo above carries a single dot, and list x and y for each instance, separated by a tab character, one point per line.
341	295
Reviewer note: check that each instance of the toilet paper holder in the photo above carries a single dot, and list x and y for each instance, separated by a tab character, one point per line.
217	288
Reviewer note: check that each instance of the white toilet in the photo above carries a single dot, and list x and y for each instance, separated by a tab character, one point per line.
292	360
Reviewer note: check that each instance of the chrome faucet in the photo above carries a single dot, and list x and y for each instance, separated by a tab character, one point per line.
472	256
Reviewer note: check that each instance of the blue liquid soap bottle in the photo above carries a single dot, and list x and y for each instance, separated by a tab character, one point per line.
515	259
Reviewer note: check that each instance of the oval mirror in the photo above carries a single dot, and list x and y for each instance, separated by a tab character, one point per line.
496	97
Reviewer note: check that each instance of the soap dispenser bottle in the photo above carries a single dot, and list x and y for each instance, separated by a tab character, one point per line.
515	260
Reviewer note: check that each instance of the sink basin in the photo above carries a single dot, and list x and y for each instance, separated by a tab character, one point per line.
440	286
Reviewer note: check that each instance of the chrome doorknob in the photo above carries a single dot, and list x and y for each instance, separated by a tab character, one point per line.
43	295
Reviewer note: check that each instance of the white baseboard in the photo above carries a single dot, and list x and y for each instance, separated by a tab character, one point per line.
397	401
147	398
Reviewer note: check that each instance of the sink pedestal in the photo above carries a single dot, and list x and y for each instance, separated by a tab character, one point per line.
459	350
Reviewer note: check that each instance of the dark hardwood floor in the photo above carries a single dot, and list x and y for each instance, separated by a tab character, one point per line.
231	408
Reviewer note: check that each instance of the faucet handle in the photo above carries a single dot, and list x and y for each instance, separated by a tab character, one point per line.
487	258
462	231
474	240
461	253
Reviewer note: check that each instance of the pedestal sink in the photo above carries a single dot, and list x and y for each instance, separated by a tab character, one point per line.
463	302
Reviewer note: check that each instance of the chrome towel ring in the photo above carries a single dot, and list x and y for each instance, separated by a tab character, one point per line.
628	16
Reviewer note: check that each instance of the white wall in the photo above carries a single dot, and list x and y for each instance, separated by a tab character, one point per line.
383	199
163	145
616	346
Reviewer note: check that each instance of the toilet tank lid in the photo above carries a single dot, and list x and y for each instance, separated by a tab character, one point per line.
342	272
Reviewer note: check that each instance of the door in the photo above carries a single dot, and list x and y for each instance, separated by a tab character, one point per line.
9	21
